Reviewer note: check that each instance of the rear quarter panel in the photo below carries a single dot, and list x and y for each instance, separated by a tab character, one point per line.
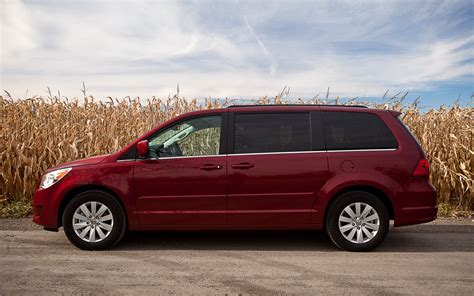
382	170
387	171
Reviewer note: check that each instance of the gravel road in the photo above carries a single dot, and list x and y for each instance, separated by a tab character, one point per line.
434	258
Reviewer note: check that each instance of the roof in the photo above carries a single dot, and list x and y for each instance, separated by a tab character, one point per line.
296	105
298	108
281	108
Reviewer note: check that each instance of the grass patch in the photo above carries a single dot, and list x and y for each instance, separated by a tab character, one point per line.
16	209
444	210
447	211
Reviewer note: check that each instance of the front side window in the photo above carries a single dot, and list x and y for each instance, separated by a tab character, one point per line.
275	132
194	137
356	130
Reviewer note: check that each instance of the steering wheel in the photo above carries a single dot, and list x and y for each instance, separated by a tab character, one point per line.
175	149
170	151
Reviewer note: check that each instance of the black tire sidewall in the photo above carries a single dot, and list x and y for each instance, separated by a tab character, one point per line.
332	222
118	229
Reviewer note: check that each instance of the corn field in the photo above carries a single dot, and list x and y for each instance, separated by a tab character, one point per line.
38	133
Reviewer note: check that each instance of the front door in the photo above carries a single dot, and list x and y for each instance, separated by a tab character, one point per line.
275	171
183	181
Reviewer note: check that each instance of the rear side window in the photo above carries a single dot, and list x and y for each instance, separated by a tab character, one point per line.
271	132
353	130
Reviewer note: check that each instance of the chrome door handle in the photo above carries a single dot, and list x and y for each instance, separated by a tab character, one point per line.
211	167
242	166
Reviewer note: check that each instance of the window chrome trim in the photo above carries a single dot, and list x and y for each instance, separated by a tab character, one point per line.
364	150
263	153
177	157
193	156
125	160
316	151
283	152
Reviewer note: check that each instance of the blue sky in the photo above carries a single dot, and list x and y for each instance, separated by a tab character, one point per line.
239	49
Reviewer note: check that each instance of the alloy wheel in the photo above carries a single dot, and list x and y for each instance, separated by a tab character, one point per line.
92	221
359	222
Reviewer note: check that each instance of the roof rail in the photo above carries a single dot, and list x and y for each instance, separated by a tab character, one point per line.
296	105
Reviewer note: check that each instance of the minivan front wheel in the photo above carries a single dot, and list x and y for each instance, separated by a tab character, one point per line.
94	220
357	221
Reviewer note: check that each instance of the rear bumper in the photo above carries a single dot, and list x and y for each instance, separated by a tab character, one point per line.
417	204
416	215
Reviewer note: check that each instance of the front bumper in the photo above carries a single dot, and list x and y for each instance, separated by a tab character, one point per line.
46	205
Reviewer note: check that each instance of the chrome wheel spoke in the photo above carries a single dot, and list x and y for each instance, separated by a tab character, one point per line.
346	228
93	208
349	211
101	211
85	210
92	221
359	236
100	232
367	233
372	226
372	217
80	225
366	211
106	218
80	217
92	235
357	206
84	232
345	219
105	226
350	236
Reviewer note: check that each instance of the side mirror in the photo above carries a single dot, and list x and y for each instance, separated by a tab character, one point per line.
142	148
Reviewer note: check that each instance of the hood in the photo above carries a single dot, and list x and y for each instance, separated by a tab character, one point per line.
80	162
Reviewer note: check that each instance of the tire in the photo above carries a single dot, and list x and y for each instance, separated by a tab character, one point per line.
341	222
103	230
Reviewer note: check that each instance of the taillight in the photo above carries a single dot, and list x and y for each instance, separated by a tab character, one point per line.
422	168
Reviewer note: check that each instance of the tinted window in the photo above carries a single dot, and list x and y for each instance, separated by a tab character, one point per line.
276	132
352	130
194	137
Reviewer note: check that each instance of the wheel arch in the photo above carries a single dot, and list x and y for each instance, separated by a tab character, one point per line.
84	188
365	188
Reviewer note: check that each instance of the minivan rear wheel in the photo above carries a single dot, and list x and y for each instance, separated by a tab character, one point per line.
357	221
94	220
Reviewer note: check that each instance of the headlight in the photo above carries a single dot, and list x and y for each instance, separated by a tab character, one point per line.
53	177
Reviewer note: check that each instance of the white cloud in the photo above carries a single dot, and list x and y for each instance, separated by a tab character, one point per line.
18	35
233	49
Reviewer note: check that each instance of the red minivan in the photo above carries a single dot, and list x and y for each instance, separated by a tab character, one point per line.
346	169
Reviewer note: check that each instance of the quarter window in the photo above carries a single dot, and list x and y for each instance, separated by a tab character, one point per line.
356	130
193	137
275	132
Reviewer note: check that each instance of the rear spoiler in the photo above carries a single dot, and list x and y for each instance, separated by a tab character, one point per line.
395	113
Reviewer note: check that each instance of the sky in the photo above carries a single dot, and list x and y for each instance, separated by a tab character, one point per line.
239	49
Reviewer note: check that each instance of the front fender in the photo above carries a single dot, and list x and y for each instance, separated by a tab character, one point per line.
116	178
